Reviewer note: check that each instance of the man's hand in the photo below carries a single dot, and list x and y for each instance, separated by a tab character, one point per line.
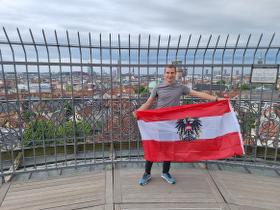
134	114
144	106
220	99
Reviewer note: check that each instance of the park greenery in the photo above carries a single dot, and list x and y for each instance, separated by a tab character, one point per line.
45	132
39	131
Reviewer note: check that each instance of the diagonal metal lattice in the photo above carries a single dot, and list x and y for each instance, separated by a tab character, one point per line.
67	98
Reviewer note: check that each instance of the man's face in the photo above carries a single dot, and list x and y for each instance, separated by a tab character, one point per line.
169	75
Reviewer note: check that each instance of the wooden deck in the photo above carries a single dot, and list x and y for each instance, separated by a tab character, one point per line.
117	188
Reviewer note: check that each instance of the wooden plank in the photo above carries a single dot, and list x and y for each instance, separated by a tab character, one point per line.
13	167
55	181
88	205
243	207
26	196
195	189
61	187
79	190
172	206
93	208
66	204
248	190
3	191
56	200
109	200
193	185
117	186
109	207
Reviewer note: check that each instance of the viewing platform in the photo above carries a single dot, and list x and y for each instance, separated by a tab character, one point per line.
114	187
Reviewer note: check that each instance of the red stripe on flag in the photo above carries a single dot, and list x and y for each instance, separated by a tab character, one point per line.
191	110
196	150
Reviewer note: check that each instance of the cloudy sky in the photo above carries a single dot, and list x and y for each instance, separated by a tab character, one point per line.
145	17
134	17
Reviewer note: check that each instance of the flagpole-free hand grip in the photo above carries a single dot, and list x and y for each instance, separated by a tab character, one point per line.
134	114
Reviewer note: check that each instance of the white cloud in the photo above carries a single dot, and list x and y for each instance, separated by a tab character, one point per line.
137	16
174	17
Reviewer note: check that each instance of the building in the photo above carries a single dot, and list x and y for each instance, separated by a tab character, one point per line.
35	88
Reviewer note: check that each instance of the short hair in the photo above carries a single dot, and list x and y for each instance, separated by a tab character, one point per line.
170	66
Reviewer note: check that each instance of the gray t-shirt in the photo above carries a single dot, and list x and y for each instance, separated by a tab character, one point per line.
169	95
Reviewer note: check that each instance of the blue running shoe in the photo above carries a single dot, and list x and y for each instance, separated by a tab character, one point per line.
168	178
145	179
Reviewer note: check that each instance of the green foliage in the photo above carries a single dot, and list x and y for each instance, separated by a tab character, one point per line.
38	132
81	129
142	90
247	123
27	115
68	88
243	86
68	110
187	101
221	82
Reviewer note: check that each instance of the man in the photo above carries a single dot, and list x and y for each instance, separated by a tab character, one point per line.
168	93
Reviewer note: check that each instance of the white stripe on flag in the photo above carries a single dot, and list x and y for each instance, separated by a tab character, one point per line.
237	124
212	127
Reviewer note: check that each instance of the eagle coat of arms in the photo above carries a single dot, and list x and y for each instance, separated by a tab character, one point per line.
188	128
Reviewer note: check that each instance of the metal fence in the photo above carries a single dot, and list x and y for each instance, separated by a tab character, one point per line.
67	98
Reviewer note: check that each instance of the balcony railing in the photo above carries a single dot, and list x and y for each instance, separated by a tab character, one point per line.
67	98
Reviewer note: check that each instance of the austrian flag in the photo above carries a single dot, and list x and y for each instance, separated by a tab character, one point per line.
205	131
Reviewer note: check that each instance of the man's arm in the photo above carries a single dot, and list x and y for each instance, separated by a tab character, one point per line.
203	95
145	106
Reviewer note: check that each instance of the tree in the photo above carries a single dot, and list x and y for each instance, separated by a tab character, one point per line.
28	115
187	101
38	131
243	86
68	87
142	90
80	129
68	110
221	82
